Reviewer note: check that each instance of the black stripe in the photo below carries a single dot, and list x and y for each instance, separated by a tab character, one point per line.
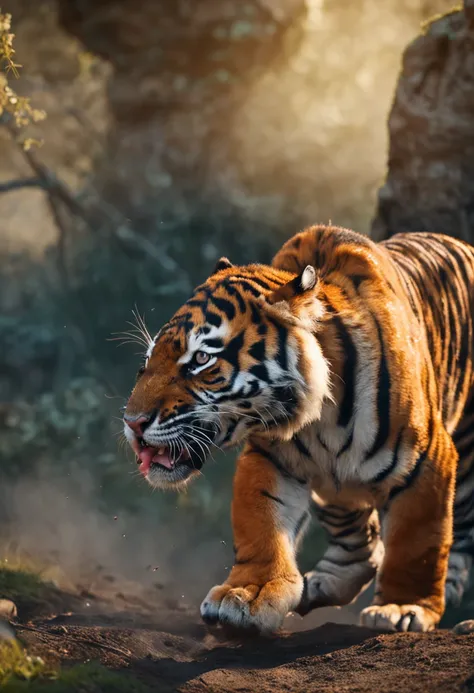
194	394
347	444
357	279
286	395
216	343
461	505
259	370
224	305
213	319
269	495
230	430
466	524
346	407
346	532
384	473
301	446
383	399
334	521
341	513
233	291
342	564
257	350
282	337
233	350
216	381
299	525
352	547
196	302
261	283
410	478
322	444
465	444
276	463
247	286
463	474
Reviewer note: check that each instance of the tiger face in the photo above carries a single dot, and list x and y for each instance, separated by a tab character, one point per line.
239	358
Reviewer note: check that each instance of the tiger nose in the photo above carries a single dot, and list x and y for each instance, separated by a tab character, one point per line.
139	423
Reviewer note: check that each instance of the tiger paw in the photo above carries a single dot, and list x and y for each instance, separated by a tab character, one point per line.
252	608
326	589
396	617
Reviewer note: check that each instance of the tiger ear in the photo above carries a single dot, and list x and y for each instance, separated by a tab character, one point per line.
222	264
306	281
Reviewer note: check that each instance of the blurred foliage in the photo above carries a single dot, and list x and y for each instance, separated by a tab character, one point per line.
20	586
21	671
74	378
18	107
17	665
32	595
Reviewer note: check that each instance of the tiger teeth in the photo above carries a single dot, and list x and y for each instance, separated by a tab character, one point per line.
161	450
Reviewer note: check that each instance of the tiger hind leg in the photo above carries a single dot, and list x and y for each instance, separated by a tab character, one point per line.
461	556
350	562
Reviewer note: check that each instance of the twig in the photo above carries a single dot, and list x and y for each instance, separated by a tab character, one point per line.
56	187
84	641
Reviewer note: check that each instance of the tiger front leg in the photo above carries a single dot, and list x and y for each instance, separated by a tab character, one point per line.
269	514
410	593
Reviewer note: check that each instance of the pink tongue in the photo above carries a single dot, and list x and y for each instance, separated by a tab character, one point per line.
149	456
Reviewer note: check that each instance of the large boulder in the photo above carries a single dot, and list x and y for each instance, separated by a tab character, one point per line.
430	180
245	115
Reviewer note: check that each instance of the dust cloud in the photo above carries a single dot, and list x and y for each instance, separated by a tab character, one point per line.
58	526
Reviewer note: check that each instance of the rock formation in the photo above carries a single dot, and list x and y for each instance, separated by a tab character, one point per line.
430	179
179	72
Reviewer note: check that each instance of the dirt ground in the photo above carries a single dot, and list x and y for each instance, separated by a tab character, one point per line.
169	649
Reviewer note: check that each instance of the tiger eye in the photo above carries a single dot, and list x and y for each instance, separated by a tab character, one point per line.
201	357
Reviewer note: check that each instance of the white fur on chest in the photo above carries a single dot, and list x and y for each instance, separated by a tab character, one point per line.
331	472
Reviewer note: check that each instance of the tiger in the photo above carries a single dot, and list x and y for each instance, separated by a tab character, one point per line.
345	372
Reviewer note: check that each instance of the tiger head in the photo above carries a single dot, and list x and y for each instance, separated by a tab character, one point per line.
239	358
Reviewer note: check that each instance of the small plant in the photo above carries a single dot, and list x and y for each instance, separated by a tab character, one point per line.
17	664
20	586
21	672
32	595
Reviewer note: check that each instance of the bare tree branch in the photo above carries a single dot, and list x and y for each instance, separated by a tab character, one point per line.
9	185
124	234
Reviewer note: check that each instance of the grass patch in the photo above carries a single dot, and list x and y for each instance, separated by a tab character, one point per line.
26	589
33	596
23	673
21	586
15	663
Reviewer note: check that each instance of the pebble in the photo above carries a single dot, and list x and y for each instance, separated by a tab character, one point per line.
7	609
464	628
6	633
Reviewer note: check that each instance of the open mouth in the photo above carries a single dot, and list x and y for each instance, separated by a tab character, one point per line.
160	457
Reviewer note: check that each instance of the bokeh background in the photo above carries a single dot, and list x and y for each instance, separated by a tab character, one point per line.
176	132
